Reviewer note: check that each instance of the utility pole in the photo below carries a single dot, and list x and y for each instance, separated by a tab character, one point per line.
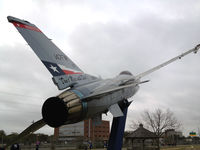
89	130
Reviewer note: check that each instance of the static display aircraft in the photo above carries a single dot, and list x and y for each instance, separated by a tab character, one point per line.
84	96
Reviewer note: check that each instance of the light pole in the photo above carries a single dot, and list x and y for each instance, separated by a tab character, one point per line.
2	140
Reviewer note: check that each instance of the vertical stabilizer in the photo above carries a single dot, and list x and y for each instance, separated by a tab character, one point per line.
64	71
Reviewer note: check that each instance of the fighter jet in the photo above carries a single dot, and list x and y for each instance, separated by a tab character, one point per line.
83	96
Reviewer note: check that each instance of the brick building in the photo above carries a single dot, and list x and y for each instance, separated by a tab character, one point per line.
84	129
100	132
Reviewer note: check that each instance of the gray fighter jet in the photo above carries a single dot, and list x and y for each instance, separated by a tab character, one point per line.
83	96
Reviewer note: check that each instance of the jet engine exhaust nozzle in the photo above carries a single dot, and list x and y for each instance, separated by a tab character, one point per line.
54	112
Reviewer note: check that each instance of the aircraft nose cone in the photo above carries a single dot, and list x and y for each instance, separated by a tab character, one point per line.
54	112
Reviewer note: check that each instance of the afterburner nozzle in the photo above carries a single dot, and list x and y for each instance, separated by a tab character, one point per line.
65	108
54	112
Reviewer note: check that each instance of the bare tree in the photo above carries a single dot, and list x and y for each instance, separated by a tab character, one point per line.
159	120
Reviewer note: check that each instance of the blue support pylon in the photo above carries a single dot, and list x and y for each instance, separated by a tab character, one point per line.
117	130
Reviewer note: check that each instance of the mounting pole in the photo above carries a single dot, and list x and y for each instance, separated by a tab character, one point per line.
117	131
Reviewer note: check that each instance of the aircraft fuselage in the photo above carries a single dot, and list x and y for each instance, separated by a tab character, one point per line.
78	103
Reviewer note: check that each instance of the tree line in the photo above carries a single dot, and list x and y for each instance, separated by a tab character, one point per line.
28	140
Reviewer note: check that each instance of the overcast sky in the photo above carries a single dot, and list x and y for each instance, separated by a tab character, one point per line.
104	37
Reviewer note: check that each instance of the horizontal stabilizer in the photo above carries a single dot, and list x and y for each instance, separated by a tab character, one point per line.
32	128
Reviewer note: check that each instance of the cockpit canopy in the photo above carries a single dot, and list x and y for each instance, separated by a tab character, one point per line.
126	73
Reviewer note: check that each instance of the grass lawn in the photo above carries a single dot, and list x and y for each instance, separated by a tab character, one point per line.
183	147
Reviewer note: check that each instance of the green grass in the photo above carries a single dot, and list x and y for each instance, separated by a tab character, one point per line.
183	147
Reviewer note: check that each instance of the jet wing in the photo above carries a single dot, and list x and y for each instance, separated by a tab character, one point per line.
107	92
139	76
195	49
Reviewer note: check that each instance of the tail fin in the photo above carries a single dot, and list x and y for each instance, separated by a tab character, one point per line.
64	71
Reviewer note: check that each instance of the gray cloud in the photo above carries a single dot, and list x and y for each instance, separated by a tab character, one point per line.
23	87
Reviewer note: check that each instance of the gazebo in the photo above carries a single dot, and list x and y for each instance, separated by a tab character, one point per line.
141	134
